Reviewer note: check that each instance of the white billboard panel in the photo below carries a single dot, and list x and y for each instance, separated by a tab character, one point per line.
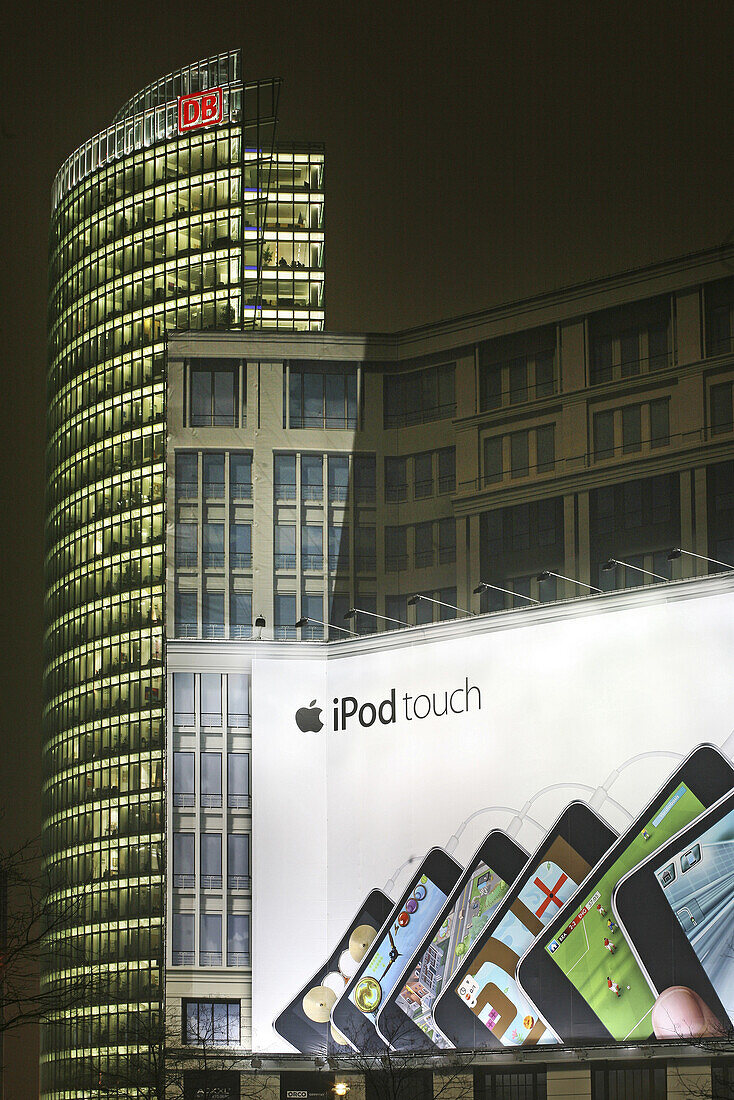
432	737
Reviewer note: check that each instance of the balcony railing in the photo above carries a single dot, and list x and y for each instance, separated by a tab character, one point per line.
447	484
423	558
183	958
186	559
285	490
211	882
283	633
238	801
395	493
312	561
238	958
214	490
240	561
338	493
184	800
210	958
238	882
285	561
238	721
211	801
312	492
183	718
365	563
187	630
423	489
213	630
240	631
365	493
446	554
187	490
240	492
213	559
184	882
395	562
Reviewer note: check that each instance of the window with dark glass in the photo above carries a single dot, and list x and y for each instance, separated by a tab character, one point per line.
211	861
285	546
211	779
396	479
657	346
365	471
238	861
493	459
212	1023
238	939
240	614
213	475
447	470
285	617
338	477
604	435
213	396
629	353
419	396
183	778
183	860
338	547
518	377
601	359
210	941
447	596
722	1079
240	546
518	522
183	698
182	947
490	385
423	471
519	455
186	556
721	407
238	700
187	476
631	428
544	385
238	780
240	476
211	699
510	1084
312	607
545	439
322	397
312	477
312	546
615	1081
213	608
446	540
365	548
396	608
338	606
423	545
416	1084
659	423
185	614
213	545
396	548
632	504
284	477
550	522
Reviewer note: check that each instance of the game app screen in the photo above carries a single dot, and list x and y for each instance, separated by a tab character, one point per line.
593	953
397	945
473	910
489	989
698	884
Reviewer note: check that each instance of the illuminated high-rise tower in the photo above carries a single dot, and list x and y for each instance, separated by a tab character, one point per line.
183	215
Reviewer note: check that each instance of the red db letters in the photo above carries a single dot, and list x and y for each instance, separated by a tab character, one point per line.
199	109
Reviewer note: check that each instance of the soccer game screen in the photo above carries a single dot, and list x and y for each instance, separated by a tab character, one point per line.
396	947
592	952
489	988
698	884
473	910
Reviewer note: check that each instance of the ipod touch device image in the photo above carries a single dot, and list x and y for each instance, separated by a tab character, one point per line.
305	1022
677	911
581	972
354	1015
482	1007
405	1021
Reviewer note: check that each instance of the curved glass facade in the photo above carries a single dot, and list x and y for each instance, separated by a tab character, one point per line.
151	232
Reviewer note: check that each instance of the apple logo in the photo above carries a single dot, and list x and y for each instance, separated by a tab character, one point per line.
308	719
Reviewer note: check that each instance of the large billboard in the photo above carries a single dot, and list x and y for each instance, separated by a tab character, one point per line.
458	830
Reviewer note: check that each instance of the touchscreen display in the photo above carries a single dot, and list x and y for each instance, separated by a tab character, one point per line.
698	884
470	915
593	953
489	988
402	938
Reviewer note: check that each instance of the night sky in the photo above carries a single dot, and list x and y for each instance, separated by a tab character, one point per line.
476	153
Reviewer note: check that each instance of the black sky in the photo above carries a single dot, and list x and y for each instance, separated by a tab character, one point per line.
476	153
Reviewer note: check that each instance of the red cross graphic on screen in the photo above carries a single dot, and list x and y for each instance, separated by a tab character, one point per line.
551	894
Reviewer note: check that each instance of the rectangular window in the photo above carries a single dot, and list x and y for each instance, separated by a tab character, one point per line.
213	626
419	396
183	778
447	470
312	547
396	479
285	546
423	545
238	780
365	549
518	521
424	610
423	483
211	779
211	699
493	460
657	347
182	947
285	617
629	351
446	540
183	860
338	548
213	476
545	439
544	374
213	545
212	1023
240	614
721	407
632	504
210	953
338	474
639	1082
631	429
447	596
659	423
603	435
365	471
518	372
238	700
490	385
238	939
312	477
183	698
601	360
312	607
396	548
550	522
211	861
240	546
238	861
186	616
213	397
284	477
186	555
396	608
240	476
514	1084
187	476
321	399
519	460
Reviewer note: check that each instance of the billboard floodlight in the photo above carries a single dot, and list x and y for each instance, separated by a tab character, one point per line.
331	626
259	626
689	553
441	603
354	611
612	563
572	580
508	591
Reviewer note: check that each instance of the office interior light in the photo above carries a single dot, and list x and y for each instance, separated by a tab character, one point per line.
508	591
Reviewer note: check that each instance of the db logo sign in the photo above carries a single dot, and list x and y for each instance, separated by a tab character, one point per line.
200	109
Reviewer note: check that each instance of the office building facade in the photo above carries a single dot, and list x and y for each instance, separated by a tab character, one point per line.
525	455
184	214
